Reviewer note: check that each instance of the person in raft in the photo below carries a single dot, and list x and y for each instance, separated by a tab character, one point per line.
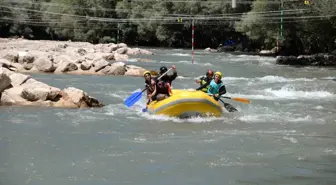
150	86
168	78
159	89
205	81
217	87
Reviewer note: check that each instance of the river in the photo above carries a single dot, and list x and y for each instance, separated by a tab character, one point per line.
287	135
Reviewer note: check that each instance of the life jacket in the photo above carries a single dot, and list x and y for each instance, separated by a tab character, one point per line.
214	87
163	88
205	80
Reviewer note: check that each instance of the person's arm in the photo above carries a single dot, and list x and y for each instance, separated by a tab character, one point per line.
174	75
169	89
198	81
203	86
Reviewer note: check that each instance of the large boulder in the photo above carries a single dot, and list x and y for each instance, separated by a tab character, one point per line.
11	56
5	81
122	50
79	98
28	91
117	68
134	70
100	64
5	63
44	64
66	66
34	90
25	57
85	65
18	79
120	57
122	45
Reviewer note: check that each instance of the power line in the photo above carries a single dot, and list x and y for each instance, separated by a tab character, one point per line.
227	16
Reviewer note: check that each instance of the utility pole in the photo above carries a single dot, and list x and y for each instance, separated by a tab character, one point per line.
234	3
281	21
192	40
118	36
281	26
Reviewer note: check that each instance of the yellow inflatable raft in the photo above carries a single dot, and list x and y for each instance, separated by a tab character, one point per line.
186	103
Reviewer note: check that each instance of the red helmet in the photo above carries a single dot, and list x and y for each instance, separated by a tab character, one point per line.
210	72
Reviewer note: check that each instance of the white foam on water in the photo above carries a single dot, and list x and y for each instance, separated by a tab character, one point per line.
329	78
329	151
76	117
207	64
252	132
271	79
291	139
122	94
166	62
268	79
163	118
181	54
132	60
187	62
255	57
285	93
272	117
264	79
183	77
289	92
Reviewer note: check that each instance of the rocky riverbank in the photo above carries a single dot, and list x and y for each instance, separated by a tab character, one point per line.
22	90
323	60
28	56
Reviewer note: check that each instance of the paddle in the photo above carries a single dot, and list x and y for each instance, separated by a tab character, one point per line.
243	100
136	96
228	106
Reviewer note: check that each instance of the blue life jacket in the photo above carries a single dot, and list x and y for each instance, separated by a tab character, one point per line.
214	87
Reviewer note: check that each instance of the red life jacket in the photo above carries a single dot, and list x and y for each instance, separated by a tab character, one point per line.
162	88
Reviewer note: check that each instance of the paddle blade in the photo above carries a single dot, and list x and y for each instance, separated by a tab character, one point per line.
243	100
144	109
229	107
131	100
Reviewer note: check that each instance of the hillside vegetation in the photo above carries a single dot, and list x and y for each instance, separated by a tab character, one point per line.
252	25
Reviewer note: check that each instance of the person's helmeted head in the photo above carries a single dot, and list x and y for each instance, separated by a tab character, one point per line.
209	74
147	75
218	76
163	69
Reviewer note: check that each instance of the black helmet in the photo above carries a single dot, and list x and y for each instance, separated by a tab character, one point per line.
163	69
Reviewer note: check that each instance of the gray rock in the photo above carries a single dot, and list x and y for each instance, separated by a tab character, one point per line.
12	56
18	79
100	64
85	65
44	65
5	81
